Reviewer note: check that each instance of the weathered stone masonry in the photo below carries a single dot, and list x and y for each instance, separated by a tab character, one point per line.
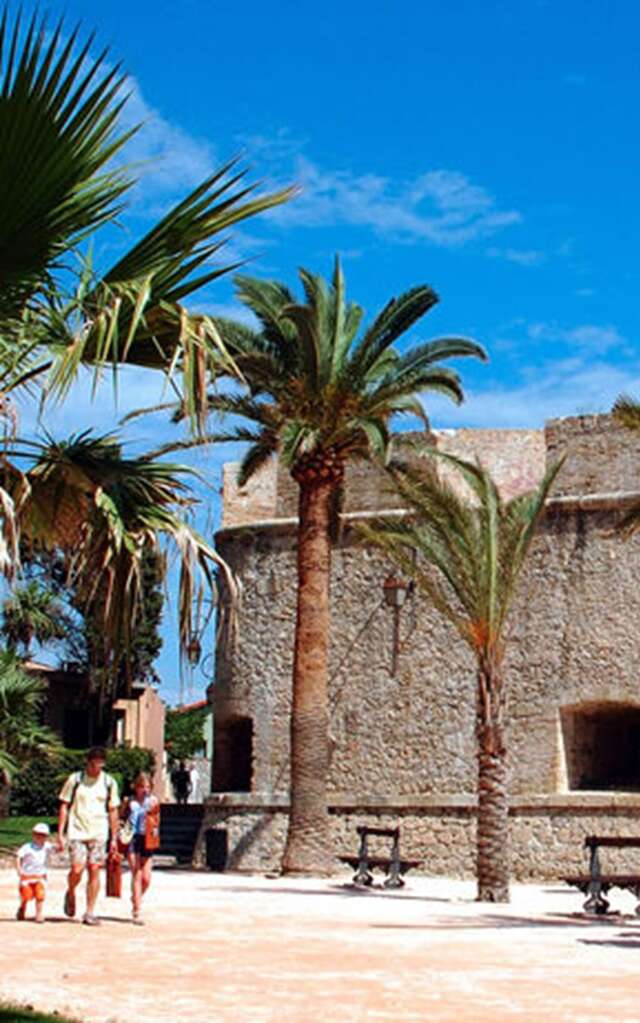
403	746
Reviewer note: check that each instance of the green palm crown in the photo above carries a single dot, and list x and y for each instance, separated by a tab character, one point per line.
320	391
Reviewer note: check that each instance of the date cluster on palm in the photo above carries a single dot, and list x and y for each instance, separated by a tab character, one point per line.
319	466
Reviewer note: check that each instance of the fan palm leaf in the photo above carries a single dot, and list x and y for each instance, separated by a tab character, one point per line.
22	737
59	102
103	511
32	612
58	117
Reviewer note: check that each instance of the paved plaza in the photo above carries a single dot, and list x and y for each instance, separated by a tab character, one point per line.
250	949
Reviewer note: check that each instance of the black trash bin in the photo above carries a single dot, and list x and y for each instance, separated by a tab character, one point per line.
216	848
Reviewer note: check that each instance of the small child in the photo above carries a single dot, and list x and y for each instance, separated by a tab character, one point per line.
32	862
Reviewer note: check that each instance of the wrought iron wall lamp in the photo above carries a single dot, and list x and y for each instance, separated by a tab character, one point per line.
396	591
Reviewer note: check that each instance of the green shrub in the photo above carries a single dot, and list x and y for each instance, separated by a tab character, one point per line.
125	762
35	789
184	732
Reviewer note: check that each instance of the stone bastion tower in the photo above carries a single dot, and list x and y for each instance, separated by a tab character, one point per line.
402	686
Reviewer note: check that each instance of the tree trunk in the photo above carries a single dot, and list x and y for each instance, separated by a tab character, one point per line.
308	846
492	835
5	797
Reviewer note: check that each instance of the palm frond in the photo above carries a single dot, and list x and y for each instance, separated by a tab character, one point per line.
630	522
64	109
315	384
261	450
470	555
134	314
104	511
398	316
626	412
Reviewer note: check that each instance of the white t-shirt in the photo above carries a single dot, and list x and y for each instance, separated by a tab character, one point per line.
195	784
88	814
33	859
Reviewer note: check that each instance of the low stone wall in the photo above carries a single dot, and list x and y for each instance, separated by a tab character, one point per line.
546	834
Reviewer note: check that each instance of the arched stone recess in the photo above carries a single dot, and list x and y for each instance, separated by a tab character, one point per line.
233	765
600	746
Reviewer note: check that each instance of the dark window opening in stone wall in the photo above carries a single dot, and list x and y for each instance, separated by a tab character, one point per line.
76	731
602	746
233	755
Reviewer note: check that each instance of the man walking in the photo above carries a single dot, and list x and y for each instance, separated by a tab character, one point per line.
89	804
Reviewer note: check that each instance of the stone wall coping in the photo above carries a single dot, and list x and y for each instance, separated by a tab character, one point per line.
593	502
400	802
564	502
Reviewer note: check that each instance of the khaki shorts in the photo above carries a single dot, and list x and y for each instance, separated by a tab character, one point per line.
90	853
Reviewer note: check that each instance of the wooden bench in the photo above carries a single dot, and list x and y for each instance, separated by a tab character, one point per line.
393	865
596	884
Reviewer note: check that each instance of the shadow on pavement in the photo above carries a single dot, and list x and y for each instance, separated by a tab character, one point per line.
491	921
351	891
623	940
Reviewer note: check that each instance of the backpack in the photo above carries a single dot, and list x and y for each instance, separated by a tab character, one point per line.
110	782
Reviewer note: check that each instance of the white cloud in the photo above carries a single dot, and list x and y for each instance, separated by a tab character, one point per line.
168	161
232	311
442	207
279	145
523	257
586	337
575	370
555	392
102	412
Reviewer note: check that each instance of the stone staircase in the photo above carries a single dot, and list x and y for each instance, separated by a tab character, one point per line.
179	829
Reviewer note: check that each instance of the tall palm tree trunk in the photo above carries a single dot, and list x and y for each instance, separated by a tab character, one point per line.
308	845
492	835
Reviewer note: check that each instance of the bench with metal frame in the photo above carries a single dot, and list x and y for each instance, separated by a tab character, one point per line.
596	884
393	865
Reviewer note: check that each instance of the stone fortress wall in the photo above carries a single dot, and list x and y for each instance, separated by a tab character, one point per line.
403	745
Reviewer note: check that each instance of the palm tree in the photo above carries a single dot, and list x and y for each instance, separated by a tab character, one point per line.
33	612
22	737
105	513
470	559
626	412
59	113
320	395
58	103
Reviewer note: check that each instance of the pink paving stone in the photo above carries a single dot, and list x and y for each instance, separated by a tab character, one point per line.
249	949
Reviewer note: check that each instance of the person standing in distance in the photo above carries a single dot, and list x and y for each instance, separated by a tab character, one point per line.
181	782
89	804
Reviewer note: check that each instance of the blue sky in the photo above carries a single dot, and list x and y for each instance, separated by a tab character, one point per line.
488	149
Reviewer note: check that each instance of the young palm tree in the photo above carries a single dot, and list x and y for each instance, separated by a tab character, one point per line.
22	737
320	395
104	512
626	412
33	613
470	559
